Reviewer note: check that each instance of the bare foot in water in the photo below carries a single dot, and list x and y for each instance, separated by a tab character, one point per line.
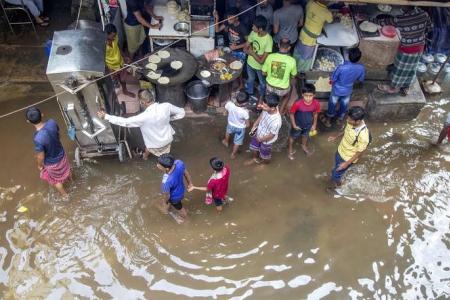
307	151
224	142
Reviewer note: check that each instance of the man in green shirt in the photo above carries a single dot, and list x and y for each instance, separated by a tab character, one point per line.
280	69
259	45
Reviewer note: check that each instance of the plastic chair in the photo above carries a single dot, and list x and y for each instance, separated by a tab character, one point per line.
11	8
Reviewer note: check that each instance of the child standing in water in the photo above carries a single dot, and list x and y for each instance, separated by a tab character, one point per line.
217	187
238	120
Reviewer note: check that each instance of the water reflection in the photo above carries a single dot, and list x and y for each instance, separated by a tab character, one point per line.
385	235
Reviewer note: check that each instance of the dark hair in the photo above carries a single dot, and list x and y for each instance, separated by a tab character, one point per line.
241	97
260	22
356	113
272	100
308	88
233	11
33	115
110	28
284	43
354	55
216	163
166	160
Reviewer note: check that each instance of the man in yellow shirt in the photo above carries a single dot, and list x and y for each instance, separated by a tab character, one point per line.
114	59
354	142
317	14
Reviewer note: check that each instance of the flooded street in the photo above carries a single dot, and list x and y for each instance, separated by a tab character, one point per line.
385	237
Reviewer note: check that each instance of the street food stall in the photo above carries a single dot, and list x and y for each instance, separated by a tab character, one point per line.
191	21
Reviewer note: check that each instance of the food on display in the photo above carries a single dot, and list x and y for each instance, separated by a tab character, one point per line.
384	8
163	80
368	26
176	64
323	84
183	16
153	75
172	7
226	76
151	66
236	65
219	66
346	21
205	73
163	54
154	59
326	64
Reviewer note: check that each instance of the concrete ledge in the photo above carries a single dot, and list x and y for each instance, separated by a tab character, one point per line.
383	107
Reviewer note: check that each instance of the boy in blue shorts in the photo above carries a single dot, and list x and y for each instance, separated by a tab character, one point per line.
172	183
303	115
238	120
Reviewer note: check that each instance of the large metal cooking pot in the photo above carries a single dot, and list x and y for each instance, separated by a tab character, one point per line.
197	94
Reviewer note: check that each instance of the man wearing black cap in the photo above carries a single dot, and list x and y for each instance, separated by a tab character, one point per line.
50	155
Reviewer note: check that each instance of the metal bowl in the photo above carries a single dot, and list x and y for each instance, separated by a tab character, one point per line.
427	58
421	68
330	54
182	27
440	58
434	68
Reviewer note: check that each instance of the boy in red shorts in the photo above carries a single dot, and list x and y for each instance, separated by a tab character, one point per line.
303	115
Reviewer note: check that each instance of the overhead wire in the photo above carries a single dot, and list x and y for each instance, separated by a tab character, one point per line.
130	64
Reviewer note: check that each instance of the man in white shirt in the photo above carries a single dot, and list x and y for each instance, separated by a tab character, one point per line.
154	123
238	120
265	130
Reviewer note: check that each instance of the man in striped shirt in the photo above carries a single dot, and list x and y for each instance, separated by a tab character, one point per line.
413	26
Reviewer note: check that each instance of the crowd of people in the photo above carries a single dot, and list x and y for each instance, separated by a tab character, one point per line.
275	66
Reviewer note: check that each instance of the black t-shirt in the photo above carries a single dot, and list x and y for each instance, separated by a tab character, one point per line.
237	34
133	6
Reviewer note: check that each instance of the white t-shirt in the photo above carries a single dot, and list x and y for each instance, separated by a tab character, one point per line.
269	124
237	116
154	123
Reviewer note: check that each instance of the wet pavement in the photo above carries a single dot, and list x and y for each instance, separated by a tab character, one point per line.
385	236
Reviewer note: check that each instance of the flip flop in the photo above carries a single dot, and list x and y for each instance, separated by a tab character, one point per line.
386	89
46	19
325	121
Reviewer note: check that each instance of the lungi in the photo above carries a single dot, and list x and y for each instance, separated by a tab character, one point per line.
303	55
135	37
160	151
56	173
405	67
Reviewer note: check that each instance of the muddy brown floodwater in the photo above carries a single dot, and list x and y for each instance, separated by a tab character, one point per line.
385	237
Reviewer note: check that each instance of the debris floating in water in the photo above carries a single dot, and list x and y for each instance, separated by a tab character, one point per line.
22	209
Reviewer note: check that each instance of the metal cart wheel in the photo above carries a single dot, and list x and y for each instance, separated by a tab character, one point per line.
121	152
78	159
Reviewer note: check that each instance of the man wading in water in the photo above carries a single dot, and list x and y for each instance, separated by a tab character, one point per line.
154	123
50	155
356	138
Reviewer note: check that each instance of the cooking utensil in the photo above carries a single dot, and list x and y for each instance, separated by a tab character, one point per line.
388	31
440	57
427	58
182	27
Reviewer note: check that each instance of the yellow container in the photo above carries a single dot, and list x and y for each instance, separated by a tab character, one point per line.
313	133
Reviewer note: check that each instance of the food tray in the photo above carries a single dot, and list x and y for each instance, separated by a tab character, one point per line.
331	54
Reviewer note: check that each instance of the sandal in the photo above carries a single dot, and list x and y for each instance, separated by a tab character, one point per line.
404	92
386	89
291	155
325	121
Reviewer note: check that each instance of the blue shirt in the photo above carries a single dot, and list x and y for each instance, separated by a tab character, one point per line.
173	183
47	140
345	76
